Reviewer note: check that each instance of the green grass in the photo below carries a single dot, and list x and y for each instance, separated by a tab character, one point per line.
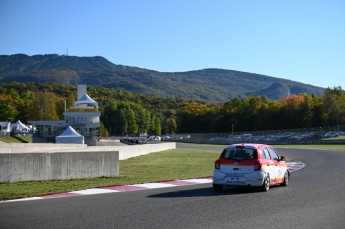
27	139
9	140
19	139
167	165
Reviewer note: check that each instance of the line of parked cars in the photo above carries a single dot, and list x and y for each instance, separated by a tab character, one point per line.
140	139
285	136
269	138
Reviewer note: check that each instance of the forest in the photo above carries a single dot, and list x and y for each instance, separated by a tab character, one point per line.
127	113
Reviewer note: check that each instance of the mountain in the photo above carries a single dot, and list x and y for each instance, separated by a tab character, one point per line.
211	85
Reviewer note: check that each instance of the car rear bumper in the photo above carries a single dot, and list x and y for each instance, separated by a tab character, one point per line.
254	178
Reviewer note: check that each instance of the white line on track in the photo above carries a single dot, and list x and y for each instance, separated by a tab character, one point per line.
199	181
92	191
154	185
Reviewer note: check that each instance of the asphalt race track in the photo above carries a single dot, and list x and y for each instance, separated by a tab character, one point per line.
315	198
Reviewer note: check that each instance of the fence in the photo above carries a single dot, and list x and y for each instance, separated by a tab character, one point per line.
321	135
4	134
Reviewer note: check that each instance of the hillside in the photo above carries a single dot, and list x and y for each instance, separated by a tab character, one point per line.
211	85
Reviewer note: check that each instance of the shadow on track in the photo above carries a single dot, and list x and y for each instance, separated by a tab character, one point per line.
204	192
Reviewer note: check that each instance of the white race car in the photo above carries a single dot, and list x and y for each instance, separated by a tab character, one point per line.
250	165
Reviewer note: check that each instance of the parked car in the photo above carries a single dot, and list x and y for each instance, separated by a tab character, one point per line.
155	138
257	165
311	136
331	134
166	138
246	137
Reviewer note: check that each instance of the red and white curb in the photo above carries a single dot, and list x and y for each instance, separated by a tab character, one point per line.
121	188
293	166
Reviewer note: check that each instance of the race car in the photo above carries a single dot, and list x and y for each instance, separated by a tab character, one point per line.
257	165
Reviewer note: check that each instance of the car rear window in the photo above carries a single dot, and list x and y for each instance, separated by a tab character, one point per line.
239	154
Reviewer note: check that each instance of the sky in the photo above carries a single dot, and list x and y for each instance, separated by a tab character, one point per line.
298	40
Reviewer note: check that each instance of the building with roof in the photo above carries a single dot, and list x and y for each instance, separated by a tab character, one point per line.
83	116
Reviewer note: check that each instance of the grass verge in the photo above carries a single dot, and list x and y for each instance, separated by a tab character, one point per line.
167	165
19	139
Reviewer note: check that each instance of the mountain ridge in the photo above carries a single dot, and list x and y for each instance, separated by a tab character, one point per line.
210	84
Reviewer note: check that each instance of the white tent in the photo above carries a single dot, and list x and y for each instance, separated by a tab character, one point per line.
19	126
5	127
85	99
69	136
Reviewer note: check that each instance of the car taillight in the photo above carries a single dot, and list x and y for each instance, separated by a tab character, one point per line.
257	166
217	164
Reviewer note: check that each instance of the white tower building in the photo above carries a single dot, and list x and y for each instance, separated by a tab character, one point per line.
83	116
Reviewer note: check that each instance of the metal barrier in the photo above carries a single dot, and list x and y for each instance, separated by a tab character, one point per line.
5	134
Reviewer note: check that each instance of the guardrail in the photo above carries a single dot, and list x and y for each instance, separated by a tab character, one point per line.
5	134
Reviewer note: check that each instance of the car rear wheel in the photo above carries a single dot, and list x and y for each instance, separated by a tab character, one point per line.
286	179
217	187
266	185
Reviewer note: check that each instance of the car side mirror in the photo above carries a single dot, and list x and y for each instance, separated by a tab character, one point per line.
282	158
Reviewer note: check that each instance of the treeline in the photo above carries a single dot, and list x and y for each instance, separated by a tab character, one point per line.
122	112
258	113
128	113
123	117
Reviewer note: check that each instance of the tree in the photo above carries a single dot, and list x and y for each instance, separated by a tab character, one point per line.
143	118
123	117
44	106
109	117
8	111
155	128
170	126
121	124
133	127
235	115
293	114
103	131
334	106
195	118
257	107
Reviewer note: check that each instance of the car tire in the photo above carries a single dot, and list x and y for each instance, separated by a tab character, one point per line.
266	184
217	187
286	179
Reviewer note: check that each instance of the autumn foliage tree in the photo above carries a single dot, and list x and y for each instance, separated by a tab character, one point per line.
334	106
128	113
8	108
